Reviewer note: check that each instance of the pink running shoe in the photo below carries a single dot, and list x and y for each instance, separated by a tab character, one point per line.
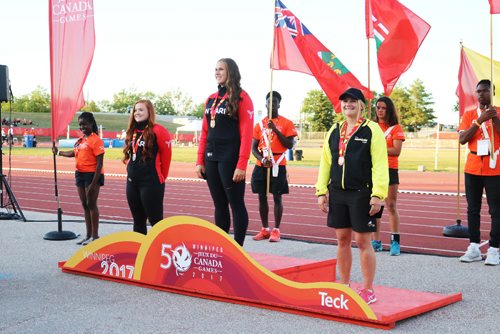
275	235
367	295
263	234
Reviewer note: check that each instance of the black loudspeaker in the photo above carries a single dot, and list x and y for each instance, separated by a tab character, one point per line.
4	83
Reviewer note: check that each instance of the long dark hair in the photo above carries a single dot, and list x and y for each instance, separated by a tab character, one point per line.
391	113
148	134
89	118
233	86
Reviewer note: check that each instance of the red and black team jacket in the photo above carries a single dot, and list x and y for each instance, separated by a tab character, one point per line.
231	138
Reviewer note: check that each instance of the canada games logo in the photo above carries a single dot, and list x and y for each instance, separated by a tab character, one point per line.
182	259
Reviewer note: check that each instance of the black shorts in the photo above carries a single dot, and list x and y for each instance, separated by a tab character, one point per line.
350	209
278	185
393	176
84	179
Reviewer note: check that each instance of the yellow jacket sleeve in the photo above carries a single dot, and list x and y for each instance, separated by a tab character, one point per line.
380	165
324	166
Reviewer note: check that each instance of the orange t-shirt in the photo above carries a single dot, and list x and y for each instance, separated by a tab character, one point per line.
479	165
285	126
396	133
86	150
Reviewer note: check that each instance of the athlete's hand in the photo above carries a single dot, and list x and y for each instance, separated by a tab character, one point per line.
487	114
266	162
239	175
375	205
323	203
200	171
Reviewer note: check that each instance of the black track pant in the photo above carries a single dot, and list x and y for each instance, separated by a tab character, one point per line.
145	200
474	185
224	193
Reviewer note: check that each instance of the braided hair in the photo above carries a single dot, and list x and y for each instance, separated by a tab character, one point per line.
89	118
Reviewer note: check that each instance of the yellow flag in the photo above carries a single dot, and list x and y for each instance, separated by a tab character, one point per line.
482	68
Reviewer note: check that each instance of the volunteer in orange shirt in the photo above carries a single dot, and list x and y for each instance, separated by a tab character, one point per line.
482	172
388	120
89	155
271	139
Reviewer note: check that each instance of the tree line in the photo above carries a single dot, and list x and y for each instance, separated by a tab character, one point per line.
413	103
170	103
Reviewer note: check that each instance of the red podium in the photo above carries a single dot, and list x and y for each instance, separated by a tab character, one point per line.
191	256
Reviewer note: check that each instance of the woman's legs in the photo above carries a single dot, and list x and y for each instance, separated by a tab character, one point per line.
92	196
367	258
344	254
82	193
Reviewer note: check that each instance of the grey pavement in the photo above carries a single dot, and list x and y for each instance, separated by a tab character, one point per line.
36	297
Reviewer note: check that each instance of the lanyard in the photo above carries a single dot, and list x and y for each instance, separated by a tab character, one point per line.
344	138
214	109
77	145
135	144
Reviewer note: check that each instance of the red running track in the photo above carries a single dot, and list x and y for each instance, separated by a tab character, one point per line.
423	215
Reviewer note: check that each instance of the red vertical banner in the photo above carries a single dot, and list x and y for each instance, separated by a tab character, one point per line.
494	6
72	42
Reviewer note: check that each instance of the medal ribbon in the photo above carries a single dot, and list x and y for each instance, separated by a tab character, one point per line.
215	107
344	138
135	144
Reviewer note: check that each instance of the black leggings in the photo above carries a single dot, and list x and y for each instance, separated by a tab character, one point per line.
225	192
145	200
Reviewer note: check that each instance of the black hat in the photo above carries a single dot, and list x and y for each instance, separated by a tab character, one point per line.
275	94
354	93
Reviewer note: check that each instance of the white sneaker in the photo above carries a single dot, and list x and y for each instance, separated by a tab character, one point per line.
492	257
472	254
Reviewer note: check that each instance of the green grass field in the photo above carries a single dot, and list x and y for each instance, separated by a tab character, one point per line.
111	122
416	151
411	158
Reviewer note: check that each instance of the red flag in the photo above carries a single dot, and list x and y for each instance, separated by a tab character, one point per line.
296	49
494	6
72	41
398	33
467	81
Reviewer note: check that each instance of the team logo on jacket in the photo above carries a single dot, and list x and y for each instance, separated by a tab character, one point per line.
363	140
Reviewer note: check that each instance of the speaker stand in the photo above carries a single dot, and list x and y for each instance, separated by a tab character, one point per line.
18	213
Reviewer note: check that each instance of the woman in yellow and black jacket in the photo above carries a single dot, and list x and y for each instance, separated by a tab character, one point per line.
352	182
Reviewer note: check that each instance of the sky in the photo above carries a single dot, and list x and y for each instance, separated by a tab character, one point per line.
161	45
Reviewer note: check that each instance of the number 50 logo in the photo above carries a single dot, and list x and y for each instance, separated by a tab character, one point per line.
165	252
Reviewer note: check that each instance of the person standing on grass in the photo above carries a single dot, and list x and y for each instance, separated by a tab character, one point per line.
482	172
225	144
147	153
388	120
271	139
89	156
353	180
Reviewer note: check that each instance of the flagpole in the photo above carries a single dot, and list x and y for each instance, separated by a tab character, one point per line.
270	109
492	88
457	230
369	79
